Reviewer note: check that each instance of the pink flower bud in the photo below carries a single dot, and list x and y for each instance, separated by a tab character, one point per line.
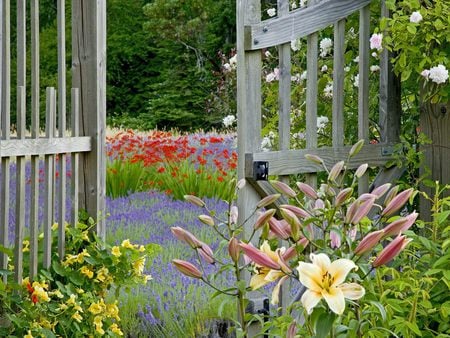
343	196
391	250
268	200
314	158
234	213
283	188
276	227
187	268
351	211
400	225
186	236
397	202
292	330
194	200
368	242
391	194
259	257
356	148
381	190
263	218
289	253
361	170
293	221
233	249
208	220
319	204
307	190
362	210
335	239
206	252
284	267
335	171
296	210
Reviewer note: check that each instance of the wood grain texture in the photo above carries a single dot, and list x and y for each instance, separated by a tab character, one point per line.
75	157
338	84
45	146
294	162
299	23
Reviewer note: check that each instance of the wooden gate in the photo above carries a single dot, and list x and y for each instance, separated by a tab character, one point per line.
255	35
83	139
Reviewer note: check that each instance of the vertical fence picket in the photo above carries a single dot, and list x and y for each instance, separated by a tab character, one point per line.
34	161
49	177
75	156
5	127
338	84
61	123
20	189
363	86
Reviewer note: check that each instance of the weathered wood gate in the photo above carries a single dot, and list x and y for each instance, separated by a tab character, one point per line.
84	141
253	36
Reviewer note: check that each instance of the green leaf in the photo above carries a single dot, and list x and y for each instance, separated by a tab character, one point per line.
413	327
59	269
412	29
380	308
324	324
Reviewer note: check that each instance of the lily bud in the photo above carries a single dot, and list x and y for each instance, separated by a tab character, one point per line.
284	267
208	220
335	239
391	250
400	225
397	202
361	170
259	257
351	211
296	210
293	221
206	252
187	268
268	200
356	148
336	170
381	190
276	227
307	190
233	249
362	210
283	188
289	253
234	213
186	236
194	200
314	158
264	218
343	196
368	242
292	330
241	183
391	194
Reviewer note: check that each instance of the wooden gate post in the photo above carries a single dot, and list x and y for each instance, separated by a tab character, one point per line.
89	75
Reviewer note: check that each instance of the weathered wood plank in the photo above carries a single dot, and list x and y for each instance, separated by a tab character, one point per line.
89	75
49	178
299	23
75	157
20	190
45	146
21	43
338	84
290	162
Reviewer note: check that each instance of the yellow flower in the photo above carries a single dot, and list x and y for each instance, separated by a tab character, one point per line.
63	307
77	317
40	293
116	251
71	300
141	248
102	274
25	281
326	280
96	308
84	236
115	329
112	311
147	278
99	325
138	266
28	335
126	244
26	246
78	308
70	259
264	274
80	256
57	293
80	291
87	272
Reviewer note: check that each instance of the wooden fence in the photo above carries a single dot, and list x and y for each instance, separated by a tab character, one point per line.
253	35
83	139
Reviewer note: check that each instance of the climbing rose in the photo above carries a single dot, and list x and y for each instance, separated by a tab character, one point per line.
438	74
415	17
375	41
271	12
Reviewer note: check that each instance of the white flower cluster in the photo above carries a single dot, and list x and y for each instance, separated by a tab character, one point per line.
356	81
296	45
267	141
374	68
321	122
438	74
275	75
415	17
326	45
272	12
328	90
228	121
376	41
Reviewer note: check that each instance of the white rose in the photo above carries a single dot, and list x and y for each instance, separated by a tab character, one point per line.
415	17
272	12
438	74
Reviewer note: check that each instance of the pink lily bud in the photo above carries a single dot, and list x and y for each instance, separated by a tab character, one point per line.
234	213
293	221
351	211
328	190
381	190
233	249
268	200
241	183
356	148
292	330
307	190
397	202
400	225
259	257
314	158
368	242
319	204
343	195
296	210
366	196
284	267
263	218
352	233
276	227
303	242
391	194
361	170
206	252
391	250
208	220
362	210
283	188
194	200
289	253
187	268
186	236
335	171
335	239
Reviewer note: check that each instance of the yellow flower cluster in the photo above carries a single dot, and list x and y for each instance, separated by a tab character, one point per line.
72	259
102	311
126	244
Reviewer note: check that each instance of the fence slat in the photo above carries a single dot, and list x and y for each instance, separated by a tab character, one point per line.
20	189
49	177
5	128
363	86
75	156
44	146
338	84
21	43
